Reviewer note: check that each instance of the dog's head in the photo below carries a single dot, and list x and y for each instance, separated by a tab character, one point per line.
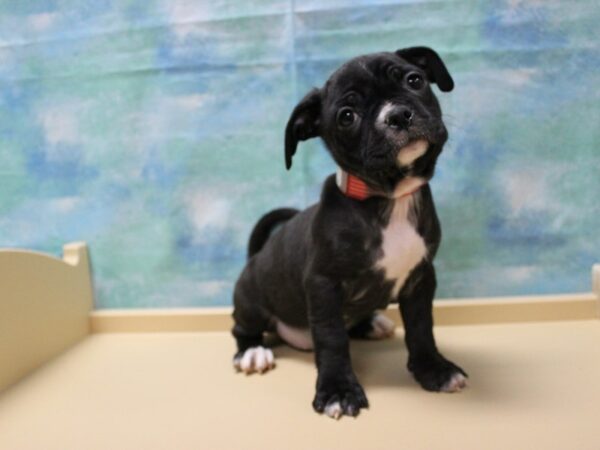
378	116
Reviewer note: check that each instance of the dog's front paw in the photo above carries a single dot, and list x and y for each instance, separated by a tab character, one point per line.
254	359
337	397
438	374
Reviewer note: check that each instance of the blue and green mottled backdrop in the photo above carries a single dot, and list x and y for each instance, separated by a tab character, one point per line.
153	130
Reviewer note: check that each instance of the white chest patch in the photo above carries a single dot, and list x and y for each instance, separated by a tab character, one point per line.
403	248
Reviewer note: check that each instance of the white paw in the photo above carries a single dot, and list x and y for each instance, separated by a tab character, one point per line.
383	327
334	410
455	384
255	359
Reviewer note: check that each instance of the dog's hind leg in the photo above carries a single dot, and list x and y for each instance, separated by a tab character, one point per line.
297	338
251	321
376	326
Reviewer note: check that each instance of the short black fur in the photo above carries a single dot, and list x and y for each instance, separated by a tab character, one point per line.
304	273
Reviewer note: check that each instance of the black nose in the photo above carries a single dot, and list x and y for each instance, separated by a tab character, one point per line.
400	117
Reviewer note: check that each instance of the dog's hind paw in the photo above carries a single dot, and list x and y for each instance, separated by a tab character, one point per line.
254	359
382	327
377	326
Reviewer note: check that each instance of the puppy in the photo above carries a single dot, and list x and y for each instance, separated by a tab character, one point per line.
317	277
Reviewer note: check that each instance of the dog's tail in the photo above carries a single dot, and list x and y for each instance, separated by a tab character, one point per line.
263	228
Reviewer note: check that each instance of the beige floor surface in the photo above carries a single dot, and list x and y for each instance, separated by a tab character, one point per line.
532	386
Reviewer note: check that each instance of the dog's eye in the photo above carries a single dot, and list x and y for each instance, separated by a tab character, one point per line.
415	81
346	117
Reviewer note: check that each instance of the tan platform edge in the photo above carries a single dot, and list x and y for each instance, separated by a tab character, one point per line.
45	303
162	379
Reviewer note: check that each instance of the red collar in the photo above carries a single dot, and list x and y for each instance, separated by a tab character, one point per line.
356	188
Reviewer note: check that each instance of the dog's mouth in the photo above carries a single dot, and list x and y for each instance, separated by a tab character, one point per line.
390	157
402	157
412	151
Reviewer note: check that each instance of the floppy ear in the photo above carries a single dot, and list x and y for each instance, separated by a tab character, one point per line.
431	63
303	123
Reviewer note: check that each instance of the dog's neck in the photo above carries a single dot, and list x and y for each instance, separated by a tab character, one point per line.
357	189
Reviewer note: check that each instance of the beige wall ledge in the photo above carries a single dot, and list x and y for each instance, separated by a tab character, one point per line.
531	386
446	312
44	307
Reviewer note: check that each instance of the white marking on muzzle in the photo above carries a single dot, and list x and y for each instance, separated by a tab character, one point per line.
383	112
411	152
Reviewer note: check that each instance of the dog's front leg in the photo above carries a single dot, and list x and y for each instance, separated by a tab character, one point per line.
425	362
338	390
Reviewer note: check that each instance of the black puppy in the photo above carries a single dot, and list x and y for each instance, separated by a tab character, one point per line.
370	240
